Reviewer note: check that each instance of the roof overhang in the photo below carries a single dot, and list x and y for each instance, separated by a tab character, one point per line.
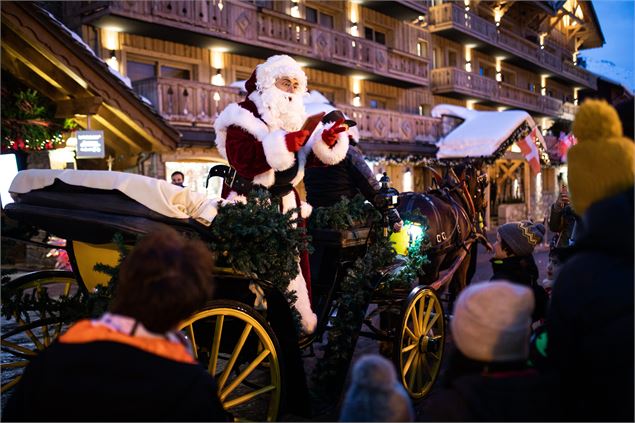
46	56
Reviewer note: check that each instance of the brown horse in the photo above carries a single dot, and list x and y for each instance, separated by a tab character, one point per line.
453	209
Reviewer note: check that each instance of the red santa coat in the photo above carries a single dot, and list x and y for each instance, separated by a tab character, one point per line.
261	156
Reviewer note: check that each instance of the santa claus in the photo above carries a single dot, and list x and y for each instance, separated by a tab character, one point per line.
262	140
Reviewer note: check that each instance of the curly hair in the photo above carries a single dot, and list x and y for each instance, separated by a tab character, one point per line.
165	279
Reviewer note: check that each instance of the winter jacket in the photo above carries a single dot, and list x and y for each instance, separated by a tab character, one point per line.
521	395
590	320
109	380
563	221
522	270
326	186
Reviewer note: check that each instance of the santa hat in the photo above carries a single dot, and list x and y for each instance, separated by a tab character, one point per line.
602	163
265	74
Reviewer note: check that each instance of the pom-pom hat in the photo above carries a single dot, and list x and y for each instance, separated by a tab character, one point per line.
492	321
601	164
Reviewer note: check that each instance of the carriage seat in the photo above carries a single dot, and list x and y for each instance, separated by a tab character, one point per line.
157	195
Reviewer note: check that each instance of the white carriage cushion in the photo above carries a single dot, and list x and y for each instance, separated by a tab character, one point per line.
156	194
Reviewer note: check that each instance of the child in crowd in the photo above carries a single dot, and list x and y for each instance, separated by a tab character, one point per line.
375	395
514	261
487	377
131	364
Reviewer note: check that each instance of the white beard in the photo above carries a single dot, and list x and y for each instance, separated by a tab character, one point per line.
280	110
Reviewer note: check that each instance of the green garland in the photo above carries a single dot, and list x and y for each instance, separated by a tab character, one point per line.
357	289
28	123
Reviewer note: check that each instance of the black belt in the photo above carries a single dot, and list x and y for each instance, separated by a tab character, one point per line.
243	185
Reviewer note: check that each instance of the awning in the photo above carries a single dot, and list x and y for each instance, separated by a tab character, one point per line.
483	134
45	55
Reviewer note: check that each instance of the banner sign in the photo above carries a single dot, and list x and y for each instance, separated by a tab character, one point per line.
90	145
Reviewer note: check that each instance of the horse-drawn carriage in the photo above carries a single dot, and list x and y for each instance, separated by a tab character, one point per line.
253	351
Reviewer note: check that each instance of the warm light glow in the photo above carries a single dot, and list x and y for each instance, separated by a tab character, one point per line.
542	40
501	108
216	96
301	63
113	63
295	9
216	58
499	68
543	84
59	158
515	149
218	79
354	12
357	83
8	171
354	29
576	90
110	38
357	100
468	57
575	57
407	181
470	104
498	14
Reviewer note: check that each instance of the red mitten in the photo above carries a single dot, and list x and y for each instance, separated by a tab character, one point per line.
330	135
295	140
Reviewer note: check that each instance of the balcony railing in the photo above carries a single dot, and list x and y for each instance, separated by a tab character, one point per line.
244	23
194	103
186	102
446	80
568	111
451	15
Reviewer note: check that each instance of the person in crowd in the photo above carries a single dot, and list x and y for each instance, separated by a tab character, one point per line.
263	142
563	220
327	185
178	178
514	261
487	377
590	320
132	363
375	395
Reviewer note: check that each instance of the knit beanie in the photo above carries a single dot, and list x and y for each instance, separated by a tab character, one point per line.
522	236
601	164
375	395
492	321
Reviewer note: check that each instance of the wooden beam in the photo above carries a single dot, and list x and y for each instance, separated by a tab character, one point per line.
111	140
118	130
31	79
78	106
153	143
26	53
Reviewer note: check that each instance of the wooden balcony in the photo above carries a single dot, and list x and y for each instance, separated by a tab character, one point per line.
247	25
452	81
450	18
197	104
568	111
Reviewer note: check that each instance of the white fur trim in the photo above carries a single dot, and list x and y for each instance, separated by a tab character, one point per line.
266	179
303	304
278	157
276	67
234	115
234	197
305	209
329	155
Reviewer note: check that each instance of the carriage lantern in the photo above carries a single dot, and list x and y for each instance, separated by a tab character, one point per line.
387	198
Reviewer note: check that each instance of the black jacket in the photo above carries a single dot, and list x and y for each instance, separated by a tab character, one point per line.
524	395
590	320
563	221
110	381
523	270
326	186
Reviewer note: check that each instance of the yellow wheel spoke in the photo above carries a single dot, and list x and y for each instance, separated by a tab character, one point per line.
431	323
190	334
218	332
409	347
420	313
415	321
427	365
247	397
67	288
18	348
427	317
10	384
410	334
239	346
244	374
413	371
30	334
15	364
419	376
411	357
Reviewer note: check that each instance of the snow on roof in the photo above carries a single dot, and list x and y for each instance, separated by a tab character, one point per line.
481	133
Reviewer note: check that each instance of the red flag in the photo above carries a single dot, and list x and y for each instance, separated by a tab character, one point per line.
530	151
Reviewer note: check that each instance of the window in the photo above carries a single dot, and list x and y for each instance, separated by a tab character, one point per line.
374	35
531	87
318	17
376	103
453	59
139	70
424	109
171	72
422	48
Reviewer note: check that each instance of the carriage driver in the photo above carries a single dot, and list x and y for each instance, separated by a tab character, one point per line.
262	140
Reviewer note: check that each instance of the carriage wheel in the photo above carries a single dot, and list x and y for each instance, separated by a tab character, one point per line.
420	345
239	349
27	333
